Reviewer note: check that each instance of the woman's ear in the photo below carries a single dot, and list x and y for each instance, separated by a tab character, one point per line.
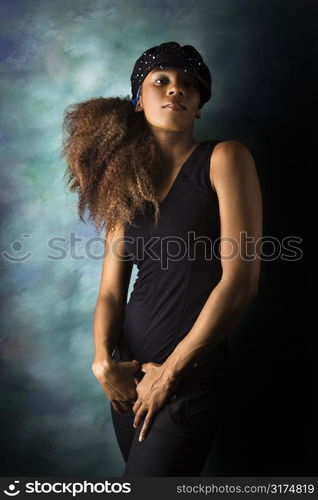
138	106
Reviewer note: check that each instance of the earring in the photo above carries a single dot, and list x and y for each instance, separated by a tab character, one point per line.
198	113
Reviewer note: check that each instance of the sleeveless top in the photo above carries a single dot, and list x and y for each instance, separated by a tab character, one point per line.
178	265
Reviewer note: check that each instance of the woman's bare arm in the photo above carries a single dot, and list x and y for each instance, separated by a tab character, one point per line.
117	379
234	178
112	296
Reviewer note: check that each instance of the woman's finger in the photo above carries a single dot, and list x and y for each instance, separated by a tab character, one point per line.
137	405
146	425
138	416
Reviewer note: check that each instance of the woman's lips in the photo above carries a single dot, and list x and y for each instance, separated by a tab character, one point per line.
174	107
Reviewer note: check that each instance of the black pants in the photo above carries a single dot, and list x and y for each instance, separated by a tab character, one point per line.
182	432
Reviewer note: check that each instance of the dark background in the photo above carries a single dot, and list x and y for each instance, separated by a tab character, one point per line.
271	427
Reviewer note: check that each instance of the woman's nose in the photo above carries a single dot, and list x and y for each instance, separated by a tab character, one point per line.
176	89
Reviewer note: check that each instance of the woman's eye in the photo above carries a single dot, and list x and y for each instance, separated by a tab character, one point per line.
188	83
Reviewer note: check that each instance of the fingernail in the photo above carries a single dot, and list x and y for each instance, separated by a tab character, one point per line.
141	438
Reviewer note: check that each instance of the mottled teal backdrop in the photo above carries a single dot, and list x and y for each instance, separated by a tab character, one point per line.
55	417
57	53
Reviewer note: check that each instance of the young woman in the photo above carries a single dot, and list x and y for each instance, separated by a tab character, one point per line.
182	211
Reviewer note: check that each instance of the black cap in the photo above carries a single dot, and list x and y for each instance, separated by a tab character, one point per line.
172	54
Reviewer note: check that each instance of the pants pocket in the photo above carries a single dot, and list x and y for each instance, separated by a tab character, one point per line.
178	404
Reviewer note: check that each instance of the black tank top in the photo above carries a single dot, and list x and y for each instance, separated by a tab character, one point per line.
178	264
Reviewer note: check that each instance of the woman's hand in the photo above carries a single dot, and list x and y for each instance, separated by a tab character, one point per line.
117	380
153	390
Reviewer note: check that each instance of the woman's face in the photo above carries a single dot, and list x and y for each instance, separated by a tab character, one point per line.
163	85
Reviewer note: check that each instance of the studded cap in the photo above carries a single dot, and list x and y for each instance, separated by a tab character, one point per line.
172	54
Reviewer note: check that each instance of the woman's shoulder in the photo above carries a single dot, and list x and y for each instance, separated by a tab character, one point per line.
229	151
230	146
229	157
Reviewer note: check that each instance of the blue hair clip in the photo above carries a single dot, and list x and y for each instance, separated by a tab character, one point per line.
134	101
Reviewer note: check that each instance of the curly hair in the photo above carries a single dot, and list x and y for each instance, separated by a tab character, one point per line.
112	161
